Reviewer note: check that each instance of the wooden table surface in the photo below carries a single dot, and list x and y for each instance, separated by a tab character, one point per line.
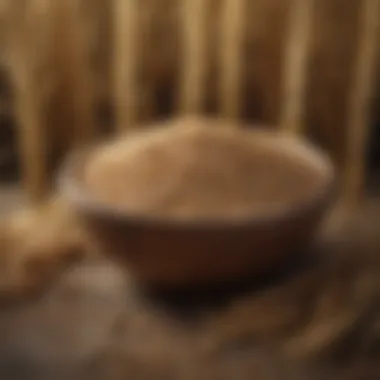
318	321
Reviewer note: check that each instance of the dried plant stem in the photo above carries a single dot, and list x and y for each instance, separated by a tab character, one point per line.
125	62
194	55
231	48
32	133
295	66
75	70
32	142
359	106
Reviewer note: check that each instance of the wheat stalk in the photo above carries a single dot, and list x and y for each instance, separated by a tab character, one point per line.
125	62
295	66
360	102
231	49
193	55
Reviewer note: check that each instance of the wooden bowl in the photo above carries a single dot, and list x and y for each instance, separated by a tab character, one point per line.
170	253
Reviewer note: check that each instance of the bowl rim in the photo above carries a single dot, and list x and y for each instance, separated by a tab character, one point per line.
71	188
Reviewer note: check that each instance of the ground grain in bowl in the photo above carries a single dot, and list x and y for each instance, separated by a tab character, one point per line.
196	168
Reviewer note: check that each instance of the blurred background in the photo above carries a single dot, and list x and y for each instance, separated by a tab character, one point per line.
60	65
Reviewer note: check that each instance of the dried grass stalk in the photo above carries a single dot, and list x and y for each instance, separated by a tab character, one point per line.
125	61
28	59
54	95
72	59
231	48
194	65
296	65
360	101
